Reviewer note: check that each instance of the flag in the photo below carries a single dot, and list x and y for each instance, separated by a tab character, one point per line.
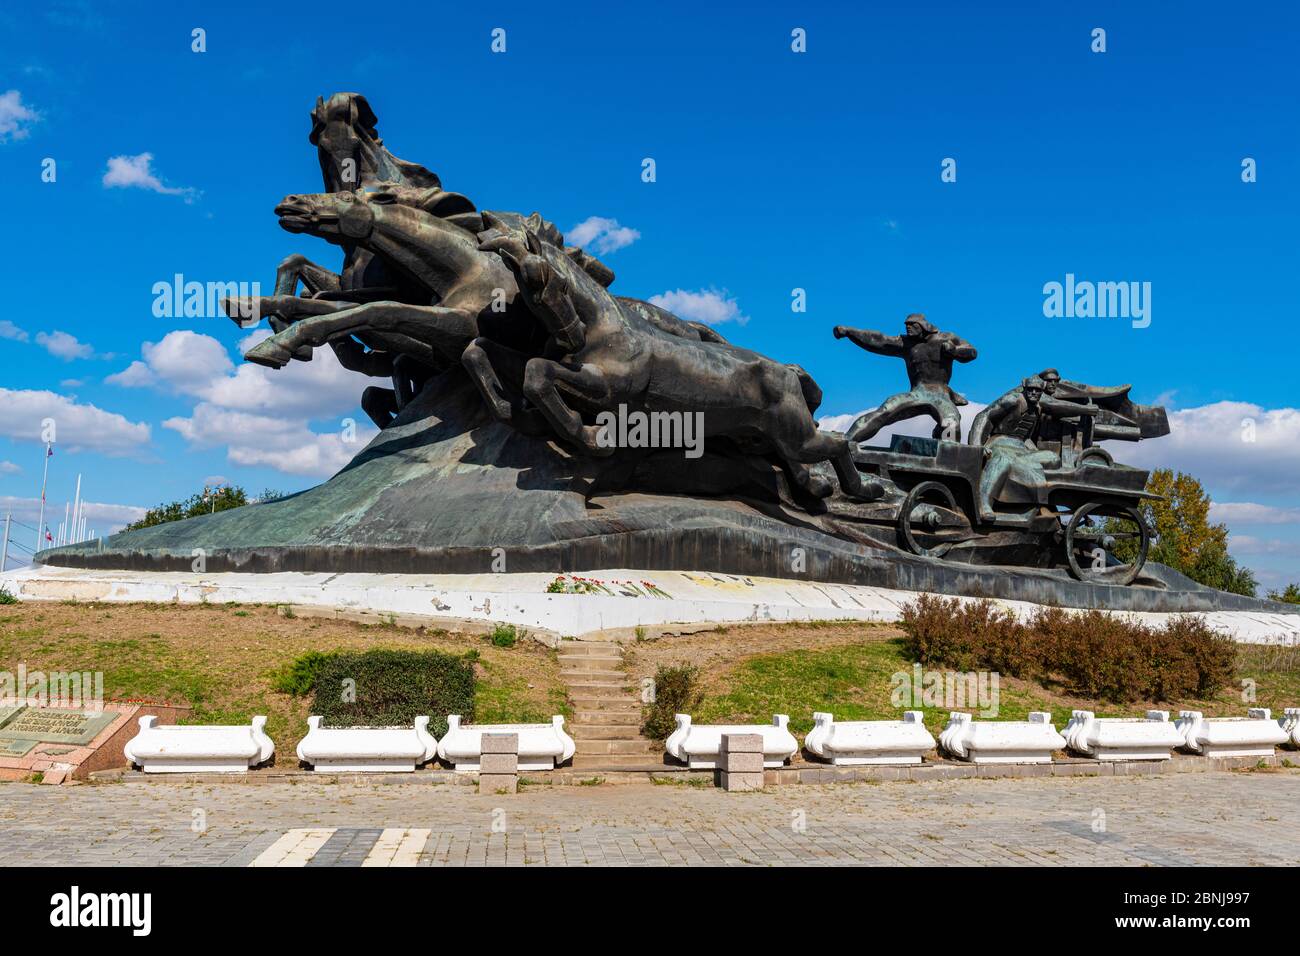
48	536
49	450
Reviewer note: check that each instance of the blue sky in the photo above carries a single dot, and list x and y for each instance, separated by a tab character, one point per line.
775	171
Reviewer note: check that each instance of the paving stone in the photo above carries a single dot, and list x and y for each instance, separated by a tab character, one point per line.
1205	818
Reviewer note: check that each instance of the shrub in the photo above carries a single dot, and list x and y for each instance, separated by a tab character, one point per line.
968	636
936	632
298	677
392	688
1213	653
1091	653
676	692
6	597
504	635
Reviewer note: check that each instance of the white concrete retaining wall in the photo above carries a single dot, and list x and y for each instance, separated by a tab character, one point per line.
522	599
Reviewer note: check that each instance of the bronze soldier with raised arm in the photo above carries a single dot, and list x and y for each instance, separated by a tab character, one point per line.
928	354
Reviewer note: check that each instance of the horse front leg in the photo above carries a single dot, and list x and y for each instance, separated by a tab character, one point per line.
428	333
542	378
488	363
315	278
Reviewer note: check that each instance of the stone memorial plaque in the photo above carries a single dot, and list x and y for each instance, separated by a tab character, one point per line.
48	725
8	712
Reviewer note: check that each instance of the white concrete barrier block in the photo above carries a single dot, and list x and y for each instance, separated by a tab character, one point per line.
1290	724
698	745
858	742
1151	737
541	746
1254	735
184	748
1001	741
367	749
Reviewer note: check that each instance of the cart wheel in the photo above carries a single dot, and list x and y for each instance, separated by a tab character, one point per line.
1099	453
930	521
1088	544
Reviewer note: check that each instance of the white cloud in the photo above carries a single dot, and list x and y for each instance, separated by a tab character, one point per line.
64	346
71	383
708	306
14	116
189	363
1240	544
77	426
135	172
1235	513
104	518
261	415
9	468
10	331
1227	446
271	441
600	235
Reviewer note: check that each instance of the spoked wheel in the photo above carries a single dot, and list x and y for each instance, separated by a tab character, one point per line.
931	511
1091	545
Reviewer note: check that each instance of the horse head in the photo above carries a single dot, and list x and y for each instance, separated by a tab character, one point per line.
344	130
338	217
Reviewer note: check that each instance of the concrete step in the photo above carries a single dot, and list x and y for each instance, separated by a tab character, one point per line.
611	662
605	731
619	761
589	649
639	746
603	688
624	704
605	718
581	675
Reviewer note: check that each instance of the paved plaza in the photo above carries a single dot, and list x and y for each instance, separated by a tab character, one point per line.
1215	818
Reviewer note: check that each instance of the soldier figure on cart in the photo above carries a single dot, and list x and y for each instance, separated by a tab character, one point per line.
929	355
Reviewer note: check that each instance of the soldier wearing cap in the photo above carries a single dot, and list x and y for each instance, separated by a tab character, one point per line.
928	354
1007	429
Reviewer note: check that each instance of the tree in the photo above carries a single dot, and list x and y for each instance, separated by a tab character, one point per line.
1183	537
1289	595
207	501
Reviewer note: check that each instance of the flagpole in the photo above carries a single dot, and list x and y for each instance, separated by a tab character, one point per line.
76	513
44	479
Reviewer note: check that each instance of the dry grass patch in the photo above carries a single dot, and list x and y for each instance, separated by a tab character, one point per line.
749	672
220	658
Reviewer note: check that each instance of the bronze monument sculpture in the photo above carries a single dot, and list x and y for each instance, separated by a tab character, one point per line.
929	355
502	356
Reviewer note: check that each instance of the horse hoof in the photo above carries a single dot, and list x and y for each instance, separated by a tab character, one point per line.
820	486
268	353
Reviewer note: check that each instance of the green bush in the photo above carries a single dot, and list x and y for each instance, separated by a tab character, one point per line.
504	635
298	677
676	692
1090	653
6	597
392	688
